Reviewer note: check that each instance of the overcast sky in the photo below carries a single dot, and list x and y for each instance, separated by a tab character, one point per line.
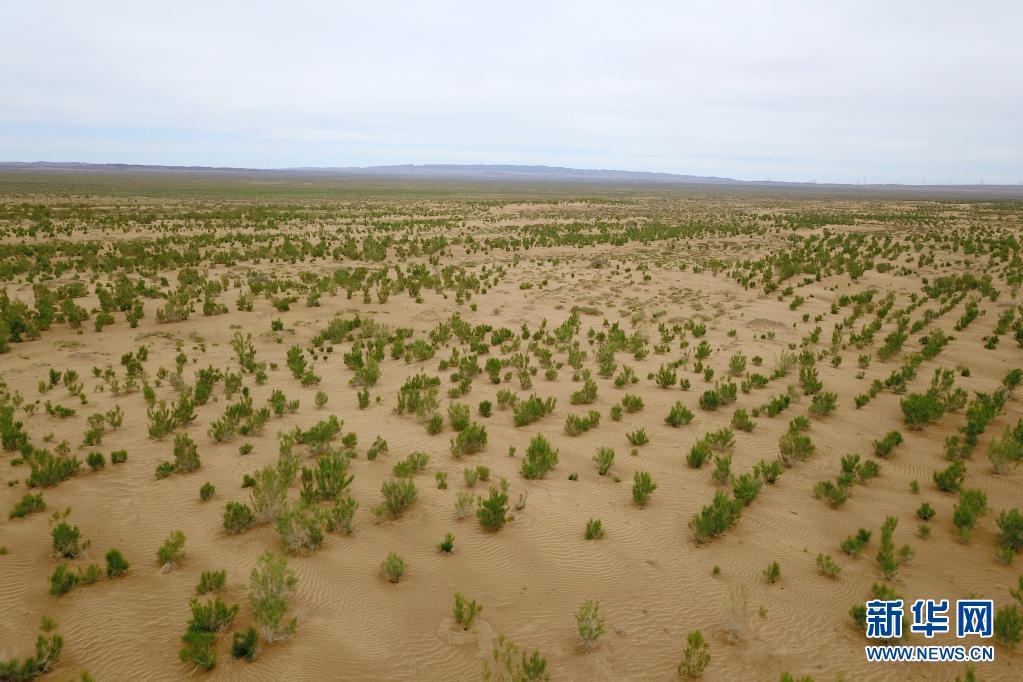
895	91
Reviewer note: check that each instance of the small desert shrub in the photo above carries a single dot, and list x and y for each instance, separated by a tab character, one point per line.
63	580
447	545
715	518
637	437
186	455
509	664
211	581
466	611
172	551
212	615
540	458
885	446
1008	625
399	494
722	473
642	487
604	458
695	657
301	527
699	453
341	517
589	624
244	644
29	504
951	478
533	408
1010	534
680	415
67	539
95	460
117	565
463	504
741	420
574	424
471	439
745	488
237	517
795	447
458	416
854	544
823	404
827	566
270	584
594	529
772	572
492	510
393	568
972	505
206	491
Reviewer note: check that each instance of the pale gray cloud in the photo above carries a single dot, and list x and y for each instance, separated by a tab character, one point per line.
833	91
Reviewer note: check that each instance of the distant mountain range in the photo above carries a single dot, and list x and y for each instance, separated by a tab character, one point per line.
501	173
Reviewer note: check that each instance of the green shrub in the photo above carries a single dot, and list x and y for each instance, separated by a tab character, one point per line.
117	565
527	411
854	544
745	488
95	460
741	420
492	510
447	545
466	611
594	529
695	657
393	568
540	458
172	551
1010	534
574	424
47	655
399	494
270	584
244	644
589	624
211	581
472	439
29	504
212	615
795	447
604	458
885	446
637	437
206	491
715	518
679	415
921	409
67	539
951	478
642	487
972	505
826	566
63	580
1008	625
237	517
508	664
301	527
458	416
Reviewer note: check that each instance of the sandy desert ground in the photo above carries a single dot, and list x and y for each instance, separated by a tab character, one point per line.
767	312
